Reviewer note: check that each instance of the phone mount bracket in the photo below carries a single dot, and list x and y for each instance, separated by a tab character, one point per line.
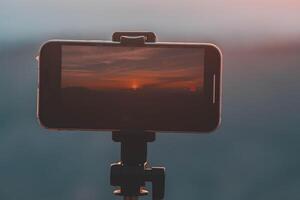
132	172
127	38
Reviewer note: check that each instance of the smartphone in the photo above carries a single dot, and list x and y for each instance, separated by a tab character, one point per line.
101	85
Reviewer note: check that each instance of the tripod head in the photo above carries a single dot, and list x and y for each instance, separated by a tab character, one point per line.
131	173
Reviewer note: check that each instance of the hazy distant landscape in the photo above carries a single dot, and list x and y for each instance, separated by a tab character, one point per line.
253	154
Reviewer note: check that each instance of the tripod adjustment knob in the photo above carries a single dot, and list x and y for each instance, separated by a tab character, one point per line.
156	175
115	174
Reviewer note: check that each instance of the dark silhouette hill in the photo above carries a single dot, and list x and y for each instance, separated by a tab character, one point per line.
126	108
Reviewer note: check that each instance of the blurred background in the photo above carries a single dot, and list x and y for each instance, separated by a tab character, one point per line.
253	155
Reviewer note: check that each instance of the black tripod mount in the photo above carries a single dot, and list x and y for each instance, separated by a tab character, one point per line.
132	172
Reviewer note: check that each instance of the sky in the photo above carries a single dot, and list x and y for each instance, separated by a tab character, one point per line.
233	22
132	68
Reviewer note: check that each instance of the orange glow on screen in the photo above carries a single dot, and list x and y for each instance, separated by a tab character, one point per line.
134	85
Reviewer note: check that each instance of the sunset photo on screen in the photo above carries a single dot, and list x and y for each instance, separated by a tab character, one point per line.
104	68
127	87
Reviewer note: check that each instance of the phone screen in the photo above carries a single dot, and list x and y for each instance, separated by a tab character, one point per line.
133	87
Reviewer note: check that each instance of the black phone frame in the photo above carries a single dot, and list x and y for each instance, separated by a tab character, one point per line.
50	79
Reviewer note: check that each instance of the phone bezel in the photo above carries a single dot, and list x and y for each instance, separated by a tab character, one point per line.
49	81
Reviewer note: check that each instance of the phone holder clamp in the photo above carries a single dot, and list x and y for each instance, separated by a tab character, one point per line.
135	38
